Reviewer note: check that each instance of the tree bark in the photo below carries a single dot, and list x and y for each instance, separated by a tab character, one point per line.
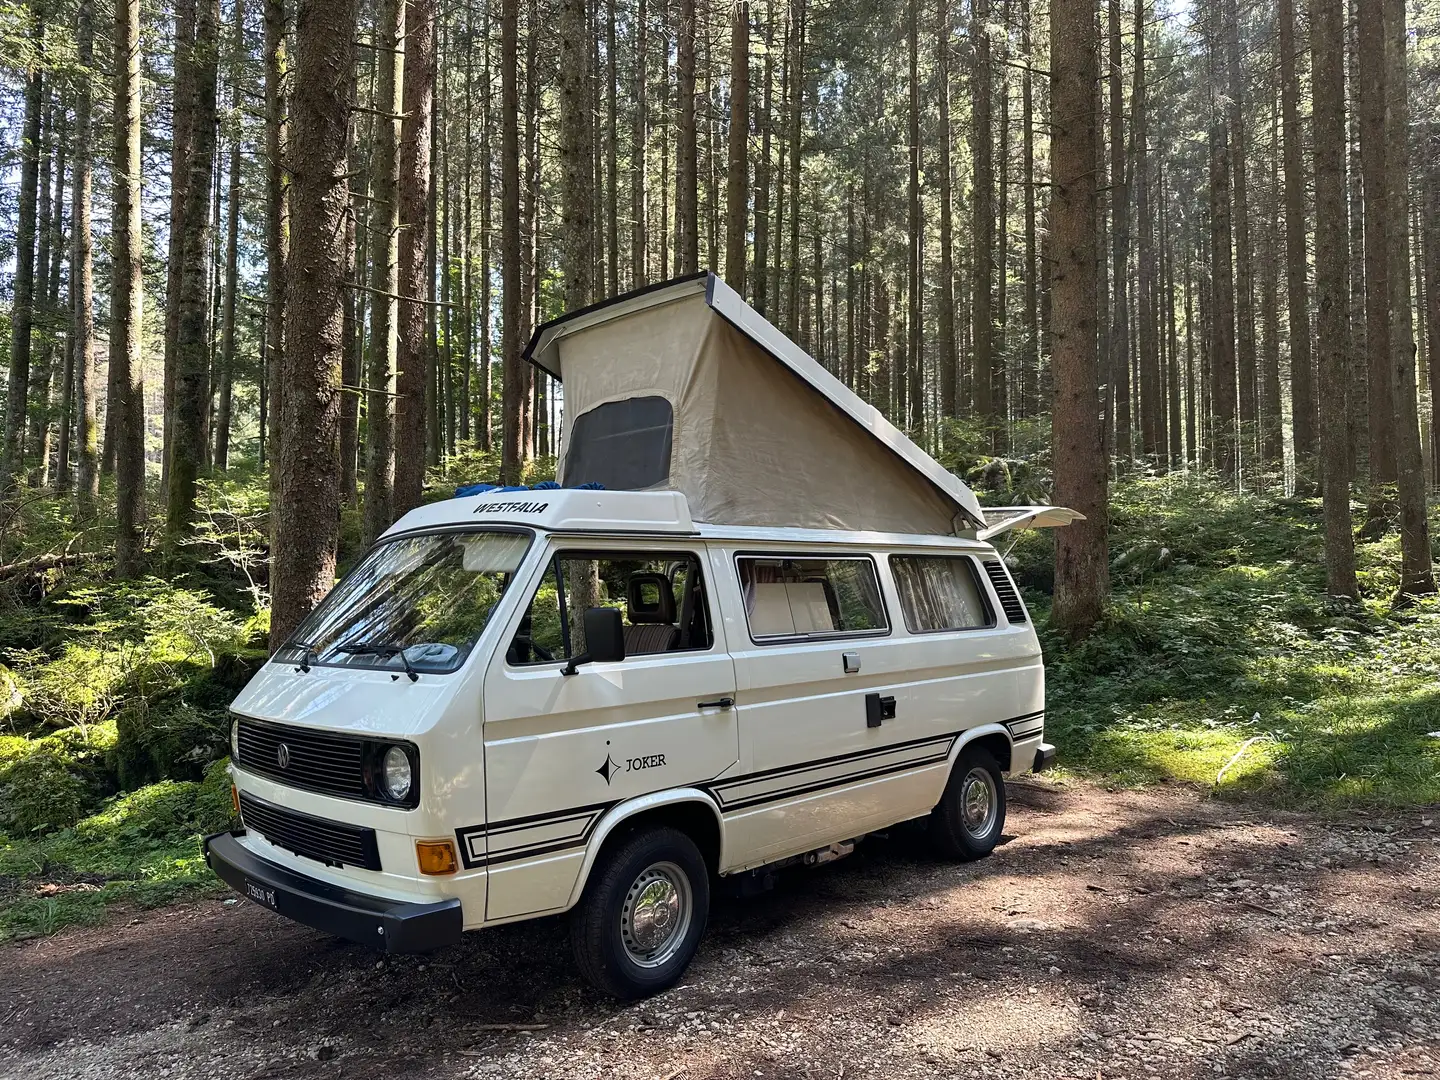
577	230
1119	360
512	446
1416	574
1245	320
42	418
384	271
1371	91
945	304
1082	571
764	120
913	410
182	96
22	308
308	521
226	363
127	294
737	189
687	224
82	285
413	353
277	231
1297	285
1152	404
1332	289
192	351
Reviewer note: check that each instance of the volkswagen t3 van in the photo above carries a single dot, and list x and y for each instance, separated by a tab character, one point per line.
755	624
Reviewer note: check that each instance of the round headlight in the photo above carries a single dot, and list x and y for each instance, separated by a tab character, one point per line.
234	739
395	773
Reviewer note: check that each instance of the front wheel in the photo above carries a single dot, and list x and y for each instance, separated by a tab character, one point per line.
639	922
968	820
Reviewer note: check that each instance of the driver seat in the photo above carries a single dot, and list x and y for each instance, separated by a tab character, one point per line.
650	612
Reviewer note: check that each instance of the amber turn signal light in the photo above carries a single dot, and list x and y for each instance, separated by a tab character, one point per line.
235	799
436	857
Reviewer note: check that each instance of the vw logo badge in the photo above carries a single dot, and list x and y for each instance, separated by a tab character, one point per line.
282	756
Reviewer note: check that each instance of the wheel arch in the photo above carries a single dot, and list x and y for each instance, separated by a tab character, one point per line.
993	737
690	810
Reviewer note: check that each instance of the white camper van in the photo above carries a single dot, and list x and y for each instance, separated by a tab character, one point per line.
751	624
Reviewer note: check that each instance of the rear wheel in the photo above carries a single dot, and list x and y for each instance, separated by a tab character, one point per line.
640	920
968	820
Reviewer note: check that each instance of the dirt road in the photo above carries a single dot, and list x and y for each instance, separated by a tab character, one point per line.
1114	935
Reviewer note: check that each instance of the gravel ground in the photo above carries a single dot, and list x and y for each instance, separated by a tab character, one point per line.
1113	935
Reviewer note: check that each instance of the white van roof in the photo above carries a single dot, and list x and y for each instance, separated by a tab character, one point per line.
650	513
755	433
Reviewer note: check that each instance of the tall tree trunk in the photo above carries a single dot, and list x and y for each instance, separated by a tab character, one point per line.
1240	218
764	120
913	411
308	525
1119	359
1030	347
1416	573
22	308
384	271
945	302
1297	287
577	236
192	345
1152	404
82	285
737	190
795	115
43	416
687	225
277	231
1272	420
983	236
352	328
182	96
512	446
413	313
639	146
1082	573
127	294
1370	90
612	151
1327	46
226	365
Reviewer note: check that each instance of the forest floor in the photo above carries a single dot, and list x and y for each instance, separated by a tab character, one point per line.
1117	933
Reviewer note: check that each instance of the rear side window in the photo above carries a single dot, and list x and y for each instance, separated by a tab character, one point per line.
940	592
811	597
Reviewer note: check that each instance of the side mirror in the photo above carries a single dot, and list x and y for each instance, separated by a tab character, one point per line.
604	638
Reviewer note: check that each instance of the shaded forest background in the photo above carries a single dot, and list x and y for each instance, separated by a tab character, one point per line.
267	268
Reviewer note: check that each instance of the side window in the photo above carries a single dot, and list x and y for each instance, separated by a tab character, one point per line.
661	596
811	597
940	592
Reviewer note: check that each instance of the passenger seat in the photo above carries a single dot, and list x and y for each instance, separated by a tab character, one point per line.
650	610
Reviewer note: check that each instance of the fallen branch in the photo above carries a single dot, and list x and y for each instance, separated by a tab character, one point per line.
41	563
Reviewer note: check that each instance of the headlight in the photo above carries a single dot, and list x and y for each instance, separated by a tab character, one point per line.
395	773
234	739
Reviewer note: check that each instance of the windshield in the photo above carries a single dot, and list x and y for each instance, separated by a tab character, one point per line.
418	600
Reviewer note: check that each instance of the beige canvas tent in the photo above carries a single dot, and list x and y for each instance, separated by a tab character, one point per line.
684	386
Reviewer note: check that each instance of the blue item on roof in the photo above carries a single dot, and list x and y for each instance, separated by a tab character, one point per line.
466	490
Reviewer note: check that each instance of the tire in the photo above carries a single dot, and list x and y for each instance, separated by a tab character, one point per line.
626	943
975	780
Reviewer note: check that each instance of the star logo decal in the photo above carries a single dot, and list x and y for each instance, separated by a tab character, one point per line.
608	769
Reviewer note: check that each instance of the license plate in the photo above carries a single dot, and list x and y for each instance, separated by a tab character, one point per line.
263	895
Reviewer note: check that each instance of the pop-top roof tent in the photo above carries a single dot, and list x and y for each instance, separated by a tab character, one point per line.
684	386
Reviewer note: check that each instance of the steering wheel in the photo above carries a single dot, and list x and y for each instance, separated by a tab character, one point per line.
539	650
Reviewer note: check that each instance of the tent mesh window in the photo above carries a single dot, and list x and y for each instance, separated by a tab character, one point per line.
622	445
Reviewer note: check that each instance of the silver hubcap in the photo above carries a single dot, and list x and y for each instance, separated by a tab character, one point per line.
656	916
978	804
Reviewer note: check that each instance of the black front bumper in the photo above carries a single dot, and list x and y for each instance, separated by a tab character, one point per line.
389	925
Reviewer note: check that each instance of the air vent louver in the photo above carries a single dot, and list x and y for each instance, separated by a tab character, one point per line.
1005	590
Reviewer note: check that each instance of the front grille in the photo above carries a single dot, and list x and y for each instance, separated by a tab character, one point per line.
314	760
1005	590
330	842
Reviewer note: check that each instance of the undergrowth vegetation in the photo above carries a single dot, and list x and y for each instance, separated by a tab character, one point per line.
1220	662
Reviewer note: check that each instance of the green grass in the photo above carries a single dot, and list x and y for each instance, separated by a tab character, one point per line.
1220	642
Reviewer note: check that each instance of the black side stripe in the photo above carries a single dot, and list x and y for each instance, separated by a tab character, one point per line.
593	813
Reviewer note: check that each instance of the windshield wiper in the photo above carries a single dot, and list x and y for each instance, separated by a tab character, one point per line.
380	648
307	650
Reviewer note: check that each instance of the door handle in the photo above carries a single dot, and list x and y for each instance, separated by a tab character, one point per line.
718	703
879	709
